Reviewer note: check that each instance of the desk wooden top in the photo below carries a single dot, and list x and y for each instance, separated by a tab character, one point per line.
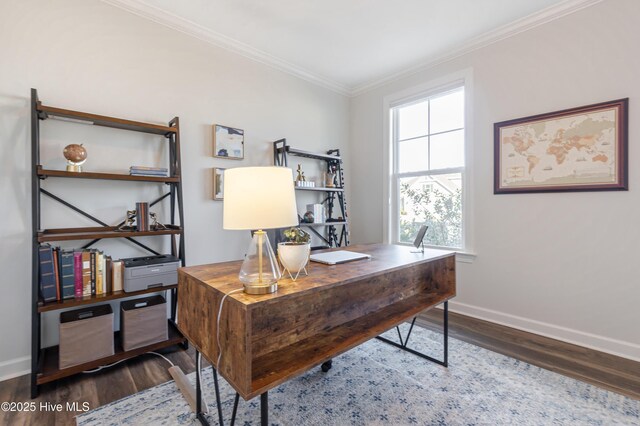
268	339
384	258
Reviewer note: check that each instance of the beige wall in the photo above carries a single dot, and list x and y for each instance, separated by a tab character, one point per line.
564	264
90	56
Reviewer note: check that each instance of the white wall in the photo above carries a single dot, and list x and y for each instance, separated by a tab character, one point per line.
565	264
90	56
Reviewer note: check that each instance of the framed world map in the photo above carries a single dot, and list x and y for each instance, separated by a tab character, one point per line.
578	149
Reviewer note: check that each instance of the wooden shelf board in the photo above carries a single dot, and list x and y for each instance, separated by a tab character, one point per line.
105	121
91	233
105	176
89	300
309	154
277	366
51	372
322	224
324	189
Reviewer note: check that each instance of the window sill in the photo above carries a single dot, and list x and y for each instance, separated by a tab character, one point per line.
461	256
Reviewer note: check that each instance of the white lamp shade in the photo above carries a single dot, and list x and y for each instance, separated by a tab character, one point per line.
259	198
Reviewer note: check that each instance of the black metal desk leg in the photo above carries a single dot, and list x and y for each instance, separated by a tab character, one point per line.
446	334
403	343
264	409
217	388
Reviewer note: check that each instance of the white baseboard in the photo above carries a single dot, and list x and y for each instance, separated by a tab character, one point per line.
15	367
592	341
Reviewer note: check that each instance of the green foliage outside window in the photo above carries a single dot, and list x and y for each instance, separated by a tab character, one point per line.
440	210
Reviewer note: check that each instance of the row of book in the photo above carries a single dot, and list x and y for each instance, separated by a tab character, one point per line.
148	171
68	274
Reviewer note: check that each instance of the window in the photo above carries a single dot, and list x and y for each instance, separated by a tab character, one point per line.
428	139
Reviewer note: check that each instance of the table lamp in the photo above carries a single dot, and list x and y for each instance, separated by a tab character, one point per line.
259	198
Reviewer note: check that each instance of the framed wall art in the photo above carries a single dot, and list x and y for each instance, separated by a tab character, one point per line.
218	184
228	142
578	149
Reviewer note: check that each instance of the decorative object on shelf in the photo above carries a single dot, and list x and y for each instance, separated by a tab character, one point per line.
76	156
259	198
218	183
318	212
142	216
129	222
155	225
228	142
294	252
330	177
301	180
578	149
308	217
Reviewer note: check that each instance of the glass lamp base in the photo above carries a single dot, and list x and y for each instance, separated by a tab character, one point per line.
260	272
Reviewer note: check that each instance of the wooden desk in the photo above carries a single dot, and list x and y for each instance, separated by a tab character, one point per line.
269	339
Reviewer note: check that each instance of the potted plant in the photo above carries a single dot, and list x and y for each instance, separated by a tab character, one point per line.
294	252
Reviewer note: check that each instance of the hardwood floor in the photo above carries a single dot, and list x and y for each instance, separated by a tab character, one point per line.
601	369
604	370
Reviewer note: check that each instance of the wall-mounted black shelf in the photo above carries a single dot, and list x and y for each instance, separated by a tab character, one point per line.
335	199
44	112
319	188
44	173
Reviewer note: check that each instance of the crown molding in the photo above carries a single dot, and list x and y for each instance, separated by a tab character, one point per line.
529	22
198	31
138	7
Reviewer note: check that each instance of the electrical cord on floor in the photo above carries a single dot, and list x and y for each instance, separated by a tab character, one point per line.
102	367
218	324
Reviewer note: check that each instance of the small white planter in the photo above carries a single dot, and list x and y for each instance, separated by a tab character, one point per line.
294	257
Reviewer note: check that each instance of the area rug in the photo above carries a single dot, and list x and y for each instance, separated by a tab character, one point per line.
377	384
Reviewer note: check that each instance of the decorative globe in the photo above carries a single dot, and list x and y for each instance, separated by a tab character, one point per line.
308	217
76	155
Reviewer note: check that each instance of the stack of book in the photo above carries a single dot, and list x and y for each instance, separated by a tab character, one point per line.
148	171
67	274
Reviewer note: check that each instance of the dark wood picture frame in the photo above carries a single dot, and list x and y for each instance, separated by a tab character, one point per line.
621	107
224	145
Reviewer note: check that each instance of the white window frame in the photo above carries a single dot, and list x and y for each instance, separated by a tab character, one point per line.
391	187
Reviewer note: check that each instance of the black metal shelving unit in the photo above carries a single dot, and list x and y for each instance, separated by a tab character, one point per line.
337	230
44	366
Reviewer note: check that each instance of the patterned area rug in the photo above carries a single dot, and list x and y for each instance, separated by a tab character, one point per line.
377	384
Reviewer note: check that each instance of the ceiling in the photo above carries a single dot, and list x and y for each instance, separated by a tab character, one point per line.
351	45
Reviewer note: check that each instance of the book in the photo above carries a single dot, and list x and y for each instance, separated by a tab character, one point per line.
99	272
56	270
67	274
77	268
142	216
145	173
117	275
86	273
92	271
148	169
45	273
103	267
109	275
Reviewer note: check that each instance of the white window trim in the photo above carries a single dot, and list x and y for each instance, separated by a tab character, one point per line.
389	188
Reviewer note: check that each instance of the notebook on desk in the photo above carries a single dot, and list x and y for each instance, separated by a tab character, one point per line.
336	257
